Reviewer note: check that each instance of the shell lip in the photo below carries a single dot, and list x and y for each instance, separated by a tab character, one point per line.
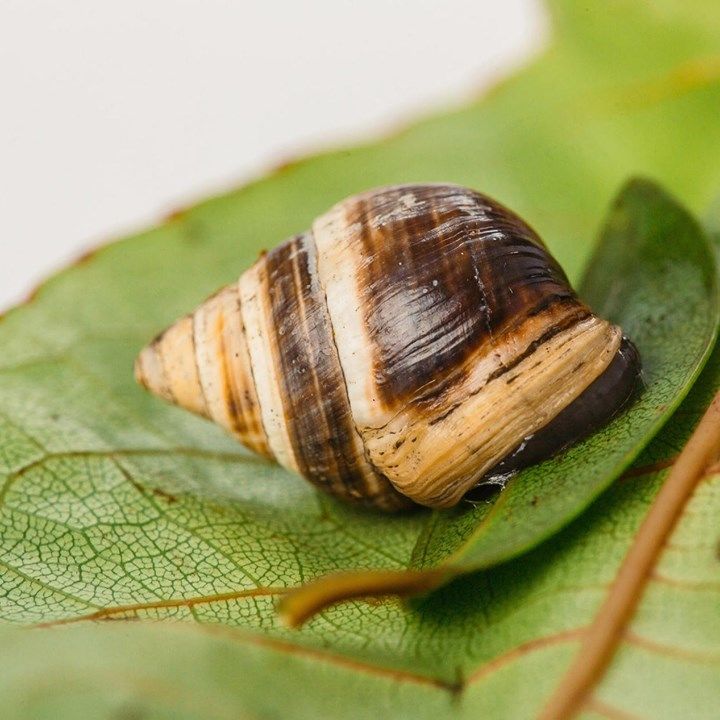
604	399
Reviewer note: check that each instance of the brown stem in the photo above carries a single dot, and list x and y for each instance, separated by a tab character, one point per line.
304	602
603	636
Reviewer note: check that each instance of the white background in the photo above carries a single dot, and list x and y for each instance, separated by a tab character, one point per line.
114	113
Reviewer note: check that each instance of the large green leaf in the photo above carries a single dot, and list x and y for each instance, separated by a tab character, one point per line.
116	507
489	645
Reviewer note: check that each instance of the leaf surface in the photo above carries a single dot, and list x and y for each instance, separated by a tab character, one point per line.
489	645
114	506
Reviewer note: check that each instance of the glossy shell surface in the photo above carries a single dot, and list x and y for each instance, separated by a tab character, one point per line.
409	343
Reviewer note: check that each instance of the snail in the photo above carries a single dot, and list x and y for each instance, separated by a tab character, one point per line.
416	341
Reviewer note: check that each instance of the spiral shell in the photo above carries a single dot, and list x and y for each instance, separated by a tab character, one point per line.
412	341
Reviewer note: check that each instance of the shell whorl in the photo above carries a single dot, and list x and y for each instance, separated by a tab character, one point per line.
202	363
399	350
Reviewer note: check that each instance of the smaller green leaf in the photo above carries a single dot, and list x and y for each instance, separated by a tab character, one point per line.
654	274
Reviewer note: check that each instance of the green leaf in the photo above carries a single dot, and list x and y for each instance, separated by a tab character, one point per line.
489	645
114	506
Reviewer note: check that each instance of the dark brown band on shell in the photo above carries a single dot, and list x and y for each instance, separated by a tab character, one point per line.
442	275
599	403
317	412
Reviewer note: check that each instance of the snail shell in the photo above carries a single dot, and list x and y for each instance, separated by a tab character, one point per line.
414	340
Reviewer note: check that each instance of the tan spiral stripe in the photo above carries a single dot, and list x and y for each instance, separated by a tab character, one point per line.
168	367
225	371
255	310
